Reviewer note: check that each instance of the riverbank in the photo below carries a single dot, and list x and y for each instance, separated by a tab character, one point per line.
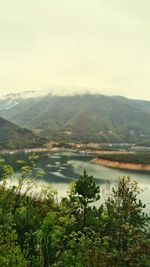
121	165
104	162
29	150
26	150
56	149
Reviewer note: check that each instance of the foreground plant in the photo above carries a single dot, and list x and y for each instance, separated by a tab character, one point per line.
37	231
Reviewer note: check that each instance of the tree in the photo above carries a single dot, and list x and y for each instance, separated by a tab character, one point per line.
86	192
36	231
126	224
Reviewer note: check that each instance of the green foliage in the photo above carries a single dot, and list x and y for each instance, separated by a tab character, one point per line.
5	170
13	137
137	158
126	222
39	232
86	189
10	251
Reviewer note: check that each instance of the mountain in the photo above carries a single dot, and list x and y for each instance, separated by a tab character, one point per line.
85	118
11	100
13	137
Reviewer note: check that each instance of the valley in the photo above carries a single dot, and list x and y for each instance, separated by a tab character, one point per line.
50	145
81	118
63	155
82	130
74	133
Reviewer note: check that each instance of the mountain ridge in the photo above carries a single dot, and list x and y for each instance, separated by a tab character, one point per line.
84	118
14	137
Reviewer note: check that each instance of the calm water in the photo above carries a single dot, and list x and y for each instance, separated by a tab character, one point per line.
64	167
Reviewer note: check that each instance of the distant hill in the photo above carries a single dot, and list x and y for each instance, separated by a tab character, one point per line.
14	137
85	118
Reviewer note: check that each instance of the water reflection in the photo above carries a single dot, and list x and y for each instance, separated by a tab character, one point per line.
64	167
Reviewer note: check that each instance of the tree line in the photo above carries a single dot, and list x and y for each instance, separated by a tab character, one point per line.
137	158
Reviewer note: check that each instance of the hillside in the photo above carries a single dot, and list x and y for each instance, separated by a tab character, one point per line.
85	118
14	137
136	158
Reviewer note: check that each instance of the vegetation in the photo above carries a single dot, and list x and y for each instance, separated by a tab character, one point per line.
82	118
14	137
137	158
37	231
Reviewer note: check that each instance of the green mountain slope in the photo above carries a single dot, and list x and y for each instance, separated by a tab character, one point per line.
14	137
85	118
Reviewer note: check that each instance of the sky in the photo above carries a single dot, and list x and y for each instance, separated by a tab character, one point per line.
72	46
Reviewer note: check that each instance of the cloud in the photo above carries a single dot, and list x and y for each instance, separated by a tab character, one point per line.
71	46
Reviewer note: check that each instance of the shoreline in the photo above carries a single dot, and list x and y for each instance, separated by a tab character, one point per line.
12	151
121	165
103	162
53	149
27	150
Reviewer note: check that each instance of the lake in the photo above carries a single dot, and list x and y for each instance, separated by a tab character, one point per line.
64	167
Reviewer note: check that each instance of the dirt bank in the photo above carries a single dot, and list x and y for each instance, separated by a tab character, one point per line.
119	165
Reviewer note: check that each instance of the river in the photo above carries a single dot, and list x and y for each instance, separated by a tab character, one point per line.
62	168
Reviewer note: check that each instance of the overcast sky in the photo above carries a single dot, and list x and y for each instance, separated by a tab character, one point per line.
69	45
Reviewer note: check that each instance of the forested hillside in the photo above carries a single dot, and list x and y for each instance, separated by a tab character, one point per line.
13	137
84	118
137	158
